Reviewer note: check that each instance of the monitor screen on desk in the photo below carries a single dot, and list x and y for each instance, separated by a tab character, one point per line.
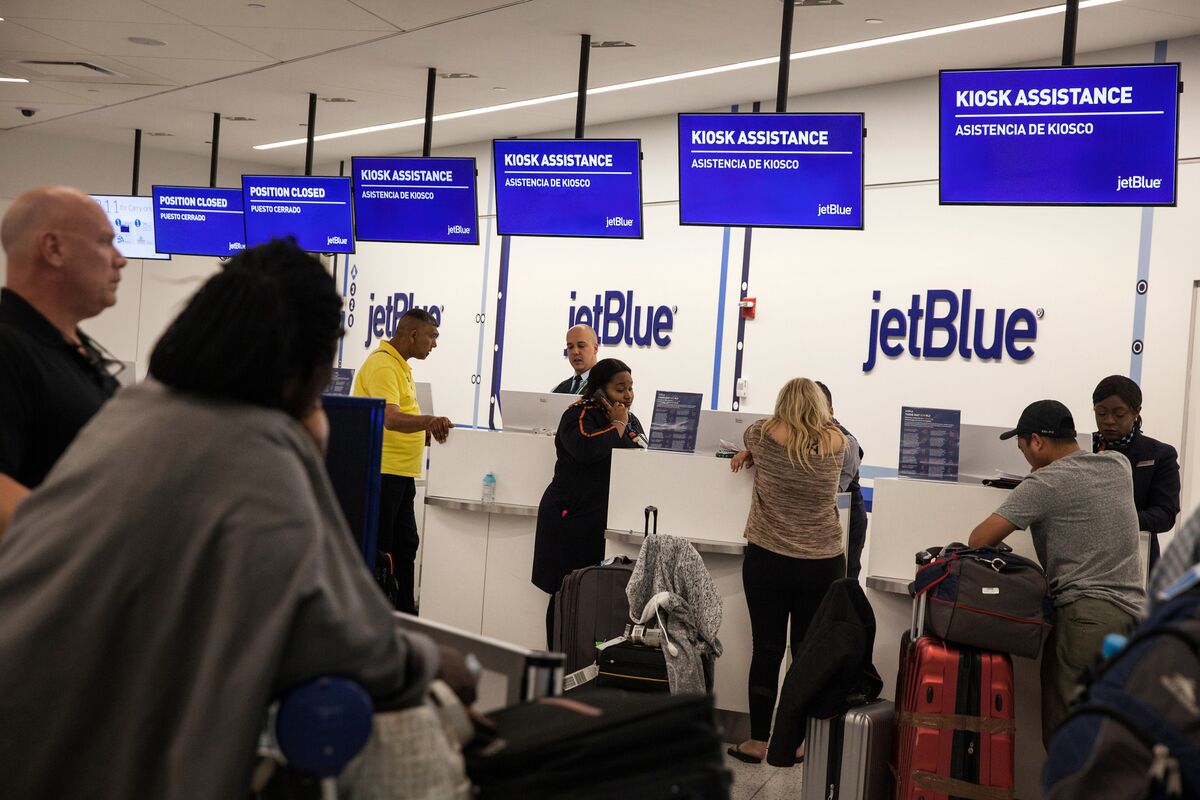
533	412
729	426
982	455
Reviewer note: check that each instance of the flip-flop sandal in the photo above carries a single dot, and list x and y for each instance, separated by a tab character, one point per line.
736	752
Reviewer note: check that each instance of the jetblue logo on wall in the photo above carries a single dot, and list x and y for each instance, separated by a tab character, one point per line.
618	319
382	317
945	323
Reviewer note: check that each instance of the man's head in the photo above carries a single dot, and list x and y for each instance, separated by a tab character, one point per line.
828	395
416	334
1045	433
582	347
60	252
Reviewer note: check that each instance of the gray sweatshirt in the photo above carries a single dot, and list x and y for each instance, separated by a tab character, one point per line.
184	562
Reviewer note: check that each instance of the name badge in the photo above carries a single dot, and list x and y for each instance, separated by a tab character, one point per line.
1149	463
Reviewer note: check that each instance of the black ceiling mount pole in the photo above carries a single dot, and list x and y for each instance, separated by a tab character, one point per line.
216	146
137	159
785	55
430	86
1070	32
585	54
312	131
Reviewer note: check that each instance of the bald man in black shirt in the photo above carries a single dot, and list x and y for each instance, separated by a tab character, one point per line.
62	268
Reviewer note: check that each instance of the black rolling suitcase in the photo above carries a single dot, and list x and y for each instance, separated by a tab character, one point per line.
634	662
603	743
589	608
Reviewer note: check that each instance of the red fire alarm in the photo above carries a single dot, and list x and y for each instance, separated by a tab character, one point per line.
748	306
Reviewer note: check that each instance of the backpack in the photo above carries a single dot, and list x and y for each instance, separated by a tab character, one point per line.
1135	730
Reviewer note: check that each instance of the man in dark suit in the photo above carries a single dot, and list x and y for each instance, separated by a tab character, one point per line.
582	347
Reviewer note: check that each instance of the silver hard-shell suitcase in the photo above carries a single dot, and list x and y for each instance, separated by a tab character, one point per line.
846	758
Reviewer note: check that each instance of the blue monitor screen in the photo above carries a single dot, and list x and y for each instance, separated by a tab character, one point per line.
771	170
568	187
316	211
1060	135
198	221
415	200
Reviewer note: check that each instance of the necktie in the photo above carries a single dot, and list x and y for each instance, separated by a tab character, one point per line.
576	382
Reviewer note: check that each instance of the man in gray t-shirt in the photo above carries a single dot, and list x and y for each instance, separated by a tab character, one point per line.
1079	509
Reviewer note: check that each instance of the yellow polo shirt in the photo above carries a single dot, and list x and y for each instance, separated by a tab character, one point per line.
386	374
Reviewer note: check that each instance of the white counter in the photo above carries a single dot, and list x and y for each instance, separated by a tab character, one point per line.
701	499
478	559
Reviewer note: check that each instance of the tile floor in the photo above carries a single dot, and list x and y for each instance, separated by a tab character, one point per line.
764	782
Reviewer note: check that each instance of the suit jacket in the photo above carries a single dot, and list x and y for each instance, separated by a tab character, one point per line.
565	386
1155	467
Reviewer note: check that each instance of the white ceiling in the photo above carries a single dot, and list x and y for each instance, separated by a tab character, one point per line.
229	57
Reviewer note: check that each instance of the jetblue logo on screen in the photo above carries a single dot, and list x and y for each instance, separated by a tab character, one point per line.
383	317
941	323
618	319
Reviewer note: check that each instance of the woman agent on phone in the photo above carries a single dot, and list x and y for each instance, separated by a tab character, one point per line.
573	513
794	547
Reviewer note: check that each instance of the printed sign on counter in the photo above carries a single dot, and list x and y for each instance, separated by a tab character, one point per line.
929	440
568	187
315	210
675	422
415	200
198	221
132	219
1060	135
772	170
341	381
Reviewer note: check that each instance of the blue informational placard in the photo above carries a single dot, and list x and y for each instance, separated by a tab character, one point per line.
415	200
771	170
675	422
568	187
198	221
315	210
1060	135
929	439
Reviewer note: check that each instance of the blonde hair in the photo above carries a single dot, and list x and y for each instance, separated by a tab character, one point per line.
802	414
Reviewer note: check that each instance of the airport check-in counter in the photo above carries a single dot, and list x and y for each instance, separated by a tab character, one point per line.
478	557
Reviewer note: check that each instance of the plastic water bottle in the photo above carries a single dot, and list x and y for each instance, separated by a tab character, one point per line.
489	488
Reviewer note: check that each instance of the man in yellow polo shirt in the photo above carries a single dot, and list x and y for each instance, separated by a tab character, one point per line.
386	374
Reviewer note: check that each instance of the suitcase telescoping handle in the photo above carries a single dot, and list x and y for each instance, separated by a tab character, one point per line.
651	511
917	624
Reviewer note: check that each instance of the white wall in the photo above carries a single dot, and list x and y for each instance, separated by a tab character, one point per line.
814	288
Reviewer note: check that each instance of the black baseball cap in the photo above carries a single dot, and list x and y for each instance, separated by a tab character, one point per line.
1048	418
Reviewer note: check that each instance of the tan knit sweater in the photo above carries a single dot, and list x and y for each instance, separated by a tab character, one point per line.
793	510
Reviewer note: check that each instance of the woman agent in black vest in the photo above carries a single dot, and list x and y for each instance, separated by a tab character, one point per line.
573	513
1117	402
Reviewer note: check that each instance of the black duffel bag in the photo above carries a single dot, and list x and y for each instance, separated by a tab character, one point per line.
984	597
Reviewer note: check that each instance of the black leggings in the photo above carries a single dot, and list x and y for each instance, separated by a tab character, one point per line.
778	587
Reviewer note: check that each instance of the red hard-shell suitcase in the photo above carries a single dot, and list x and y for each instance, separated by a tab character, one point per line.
955	713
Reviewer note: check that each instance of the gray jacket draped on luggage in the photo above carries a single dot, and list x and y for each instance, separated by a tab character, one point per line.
671	576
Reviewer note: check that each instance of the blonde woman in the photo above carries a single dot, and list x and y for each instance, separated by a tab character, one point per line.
794	540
